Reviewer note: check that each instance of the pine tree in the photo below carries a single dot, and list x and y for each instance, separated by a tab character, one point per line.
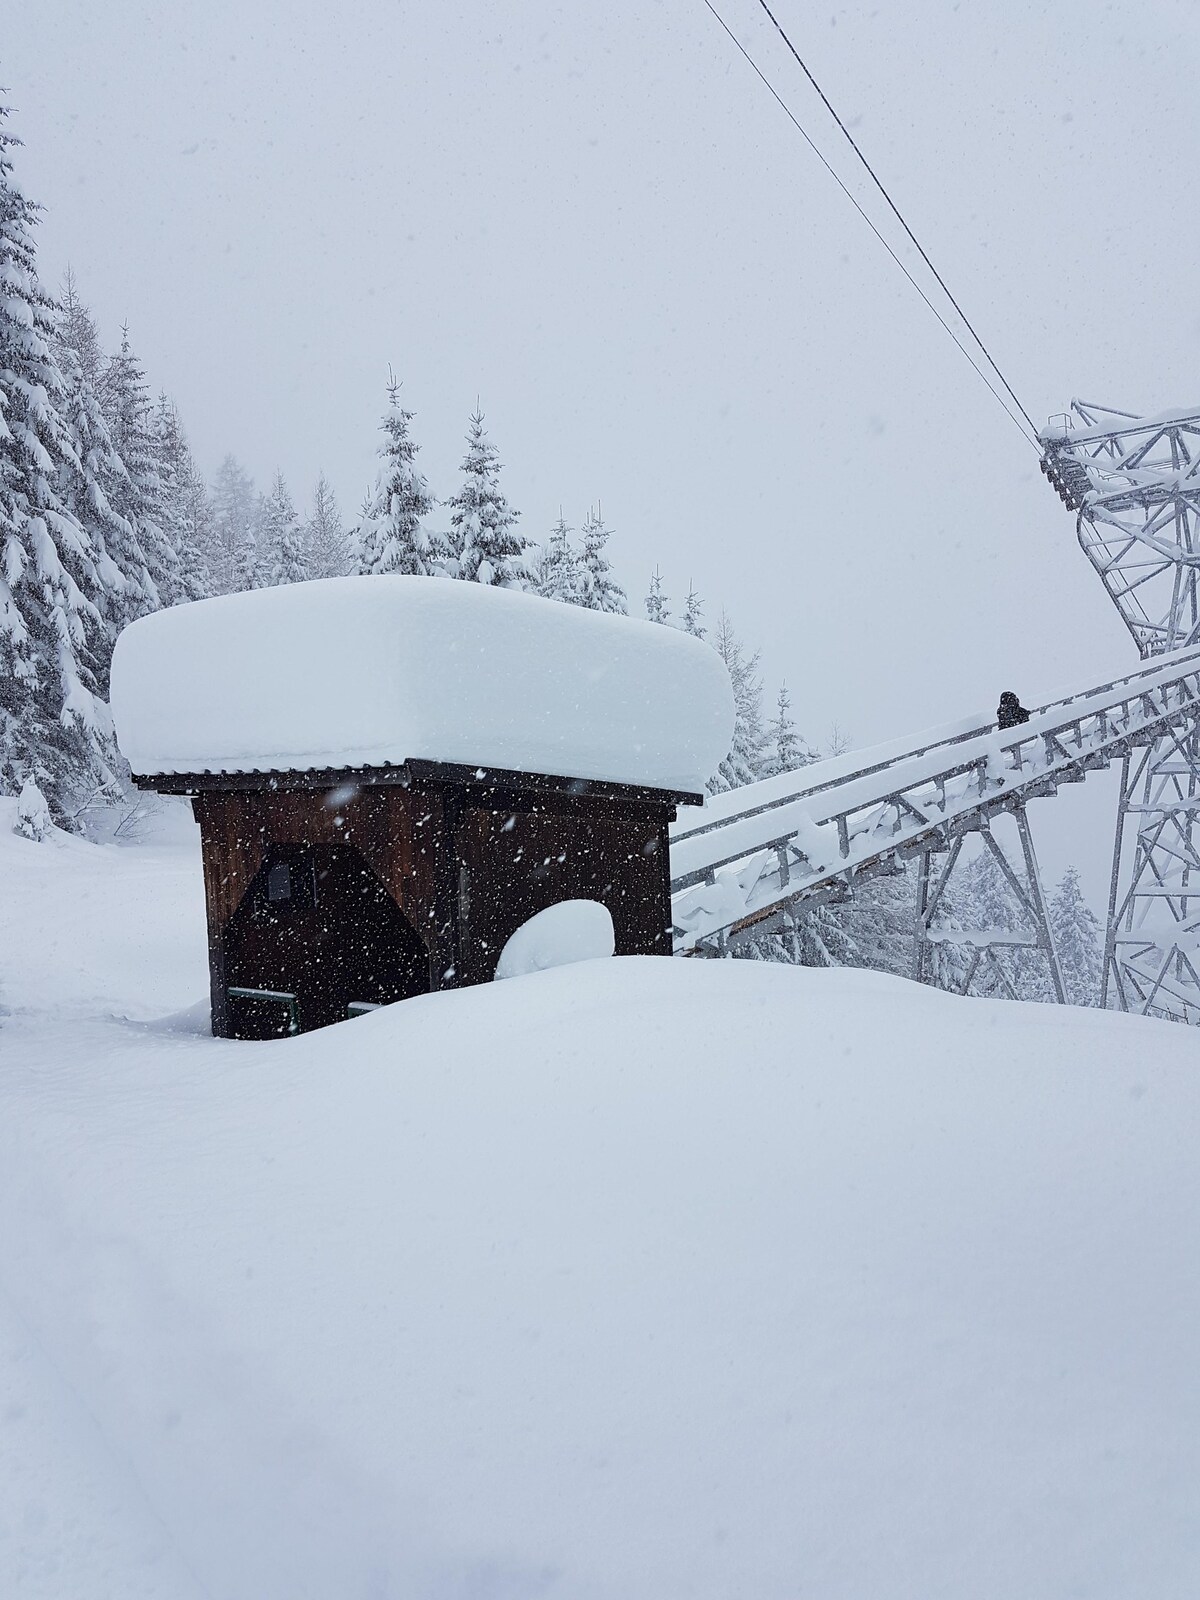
249	569
988	905
880	918
187	511
485	546
742	764
947	960
54	732
327	550
822	939
1078	940
837	740
233	558
598	589
558	578
280	546
987	902
81	360
692	613
77	331
390	537
784	751
815	936
145	557
657	605
85	494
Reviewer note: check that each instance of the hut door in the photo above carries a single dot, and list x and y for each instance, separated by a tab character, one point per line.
319	934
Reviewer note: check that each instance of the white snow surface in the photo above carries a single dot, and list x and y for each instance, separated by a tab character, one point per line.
634	1280
352	672
572	930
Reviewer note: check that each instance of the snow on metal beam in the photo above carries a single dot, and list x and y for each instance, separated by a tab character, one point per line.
769	847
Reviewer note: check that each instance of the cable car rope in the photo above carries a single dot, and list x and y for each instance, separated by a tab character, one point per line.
1030	436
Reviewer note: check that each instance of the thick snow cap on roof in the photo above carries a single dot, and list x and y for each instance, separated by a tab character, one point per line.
361	672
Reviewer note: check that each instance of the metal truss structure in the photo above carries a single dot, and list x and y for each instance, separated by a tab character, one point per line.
1134	484
985	944
752	857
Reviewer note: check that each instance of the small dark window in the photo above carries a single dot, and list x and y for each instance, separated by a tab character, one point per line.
279	882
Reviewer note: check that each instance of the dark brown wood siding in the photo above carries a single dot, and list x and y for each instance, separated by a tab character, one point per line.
515	862
463	865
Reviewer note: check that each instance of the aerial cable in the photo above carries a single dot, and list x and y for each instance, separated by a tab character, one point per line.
1031	435
875	179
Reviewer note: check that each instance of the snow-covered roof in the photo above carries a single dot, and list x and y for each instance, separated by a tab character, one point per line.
362	672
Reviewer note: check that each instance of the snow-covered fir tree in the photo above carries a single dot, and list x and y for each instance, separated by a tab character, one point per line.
248	570
880	918
783	750
326	547
390	537
77	331
986	902
281	553
187	512
485	546
743	763
558	567
85	486
872	930
658	607
814	936
55	734
989	905
598	589
946	960
1078	941
820	937
145	558
233	558
692	612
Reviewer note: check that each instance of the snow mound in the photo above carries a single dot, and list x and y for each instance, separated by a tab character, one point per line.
650	1278
573	930
33	814
353	672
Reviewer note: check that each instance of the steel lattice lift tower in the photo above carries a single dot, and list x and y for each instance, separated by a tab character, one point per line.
1134	484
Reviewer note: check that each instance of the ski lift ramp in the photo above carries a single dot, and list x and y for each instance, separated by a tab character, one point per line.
741	865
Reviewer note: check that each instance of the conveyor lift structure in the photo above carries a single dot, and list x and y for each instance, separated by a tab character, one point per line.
756	856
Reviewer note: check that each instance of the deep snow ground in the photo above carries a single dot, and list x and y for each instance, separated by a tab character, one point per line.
635	1280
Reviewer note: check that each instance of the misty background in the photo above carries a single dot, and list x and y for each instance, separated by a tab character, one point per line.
596	220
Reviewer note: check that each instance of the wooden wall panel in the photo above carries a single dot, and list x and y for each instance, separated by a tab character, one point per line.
466	867
394	829
515	863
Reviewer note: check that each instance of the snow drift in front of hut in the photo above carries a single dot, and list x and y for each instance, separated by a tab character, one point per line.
358	672
635	1280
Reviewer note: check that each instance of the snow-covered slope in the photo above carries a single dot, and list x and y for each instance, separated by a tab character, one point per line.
635	1279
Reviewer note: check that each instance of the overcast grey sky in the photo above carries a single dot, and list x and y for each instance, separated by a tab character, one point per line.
594	217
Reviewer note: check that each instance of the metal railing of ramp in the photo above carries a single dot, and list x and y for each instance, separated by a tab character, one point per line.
807	836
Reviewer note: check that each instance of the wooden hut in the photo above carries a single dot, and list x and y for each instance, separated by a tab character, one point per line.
392	775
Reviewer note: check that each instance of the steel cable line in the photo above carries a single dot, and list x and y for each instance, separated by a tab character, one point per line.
1021	425
878	182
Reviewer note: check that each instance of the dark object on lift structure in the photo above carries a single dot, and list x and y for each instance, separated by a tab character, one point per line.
1010	713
